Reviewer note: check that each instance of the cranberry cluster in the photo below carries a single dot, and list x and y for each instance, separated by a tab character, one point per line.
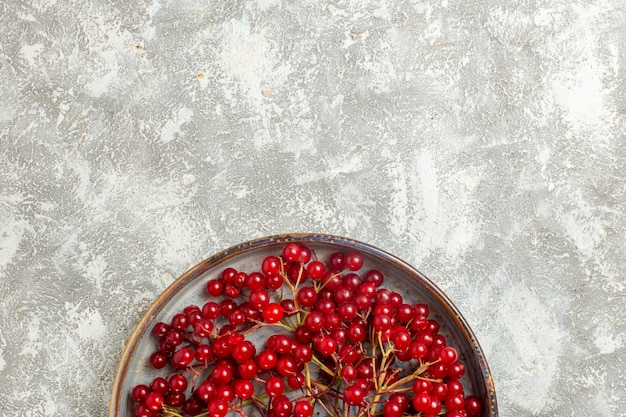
337	342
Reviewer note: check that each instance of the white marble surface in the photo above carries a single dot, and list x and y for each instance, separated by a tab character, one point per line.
484	142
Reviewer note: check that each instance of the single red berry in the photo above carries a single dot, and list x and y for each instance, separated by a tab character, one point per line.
354	395
232	291
455	387
192	407
259	299
228	275
174	337
296	381
240	279
183	357
243	388
421	402
392	409
401	399
158	360
175	399
350	353
375	277
178	383
266	360
247	369
218	407
456	370
306	296
203	353
289	307
274	282
439	390
435	406
421	385
302	353
160	329
336	262
274	386
225	392
273	313
227	307
180	321
142	411
255	281
357	333
348	373
237	318
438	370
347	311
401	339
291	252
281	406
286	365
203	328
302	408
325	305
215	287
454	402
473	405
206	391
139	393
243	351
221	374
222	347
343	295
270	266
325	345
154	401
354	261
316	270
448	355
160	385
314	321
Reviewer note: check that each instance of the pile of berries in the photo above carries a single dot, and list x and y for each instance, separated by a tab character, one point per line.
335	341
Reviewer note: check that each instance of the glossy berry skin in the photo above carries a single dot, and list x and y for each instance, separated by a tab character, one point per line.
247	369
178	383
392	409
142	411
139	393
270	266
302	409
218	408
353	261
291	252
473	405
215	288
273	313
354	395
158	360
266	360
244	388
154	401
274	386
183	357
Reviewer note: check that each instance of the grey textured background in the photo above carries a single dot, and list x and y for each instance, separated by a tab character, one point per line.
484	142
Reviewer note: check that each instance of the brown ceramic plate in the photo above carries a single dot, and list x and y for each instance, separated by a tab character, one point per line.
399	276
